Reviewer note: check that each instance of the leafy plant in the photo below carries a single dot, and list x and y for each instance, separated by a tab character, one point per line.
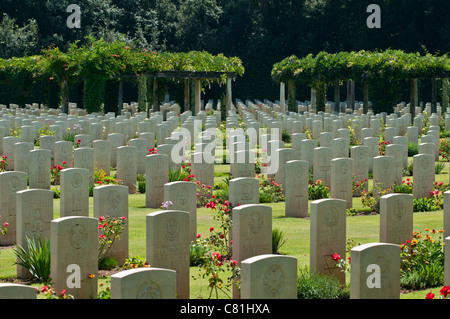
413	149
313	285
425	204
444	149
135	262
270	191
110	230
439	167
278	240
370	201
101	178
178	175
422	261
107	263
50	293
406	187
3	163
216	248
35	257
318	190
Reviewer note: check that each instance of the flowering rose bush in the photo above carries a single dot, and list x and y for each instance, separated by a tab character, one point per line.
444	291
359	187
55	172
270	191
444	149
3	163
216	249
382	147
110	229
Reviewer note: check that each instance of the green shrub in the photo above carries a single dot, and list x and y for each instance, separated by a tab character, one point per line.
422	261
177	175
107	263
425	204
278	240
197	253
265	198
135	262
141	186
405	188
221	195
35	257
319	286
318	190
413	149
56	193
439	167
285	136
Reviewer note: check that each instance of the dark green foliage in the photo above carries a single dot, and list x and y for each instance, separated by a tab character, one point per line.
107	263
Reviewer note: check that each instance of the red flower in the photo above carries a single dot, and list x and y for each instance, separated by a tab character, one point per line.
430	295
101	218
445	291
211	229
199	235
336	257
64	162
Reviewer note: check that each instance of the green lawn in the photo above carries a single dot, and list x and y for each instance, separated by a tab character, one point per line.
361	229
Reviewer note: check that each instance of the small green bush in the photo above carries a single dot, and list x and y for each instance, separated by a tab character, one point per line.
278	240
221	195
141	186
425	205
35	257
197	253
265	198
318	190
177	175
413	149
107	263
134	262
439	167
319	286
56	193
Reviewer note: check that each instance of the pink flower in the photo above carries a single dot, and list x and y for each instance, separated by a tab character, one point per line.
101	218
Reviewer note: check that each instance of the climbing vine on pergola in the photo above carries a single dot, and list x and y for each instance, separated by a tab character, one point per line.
331	69
99	61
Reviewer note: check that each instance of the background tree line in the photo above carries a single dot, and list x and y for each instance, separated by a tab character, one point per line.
260	32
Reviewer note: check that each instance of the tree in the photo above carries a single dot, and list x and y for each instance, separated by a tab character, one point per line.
17	41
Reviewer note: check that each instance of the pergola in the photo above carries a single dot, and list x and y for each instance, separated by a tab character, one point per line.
197	77
332	69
